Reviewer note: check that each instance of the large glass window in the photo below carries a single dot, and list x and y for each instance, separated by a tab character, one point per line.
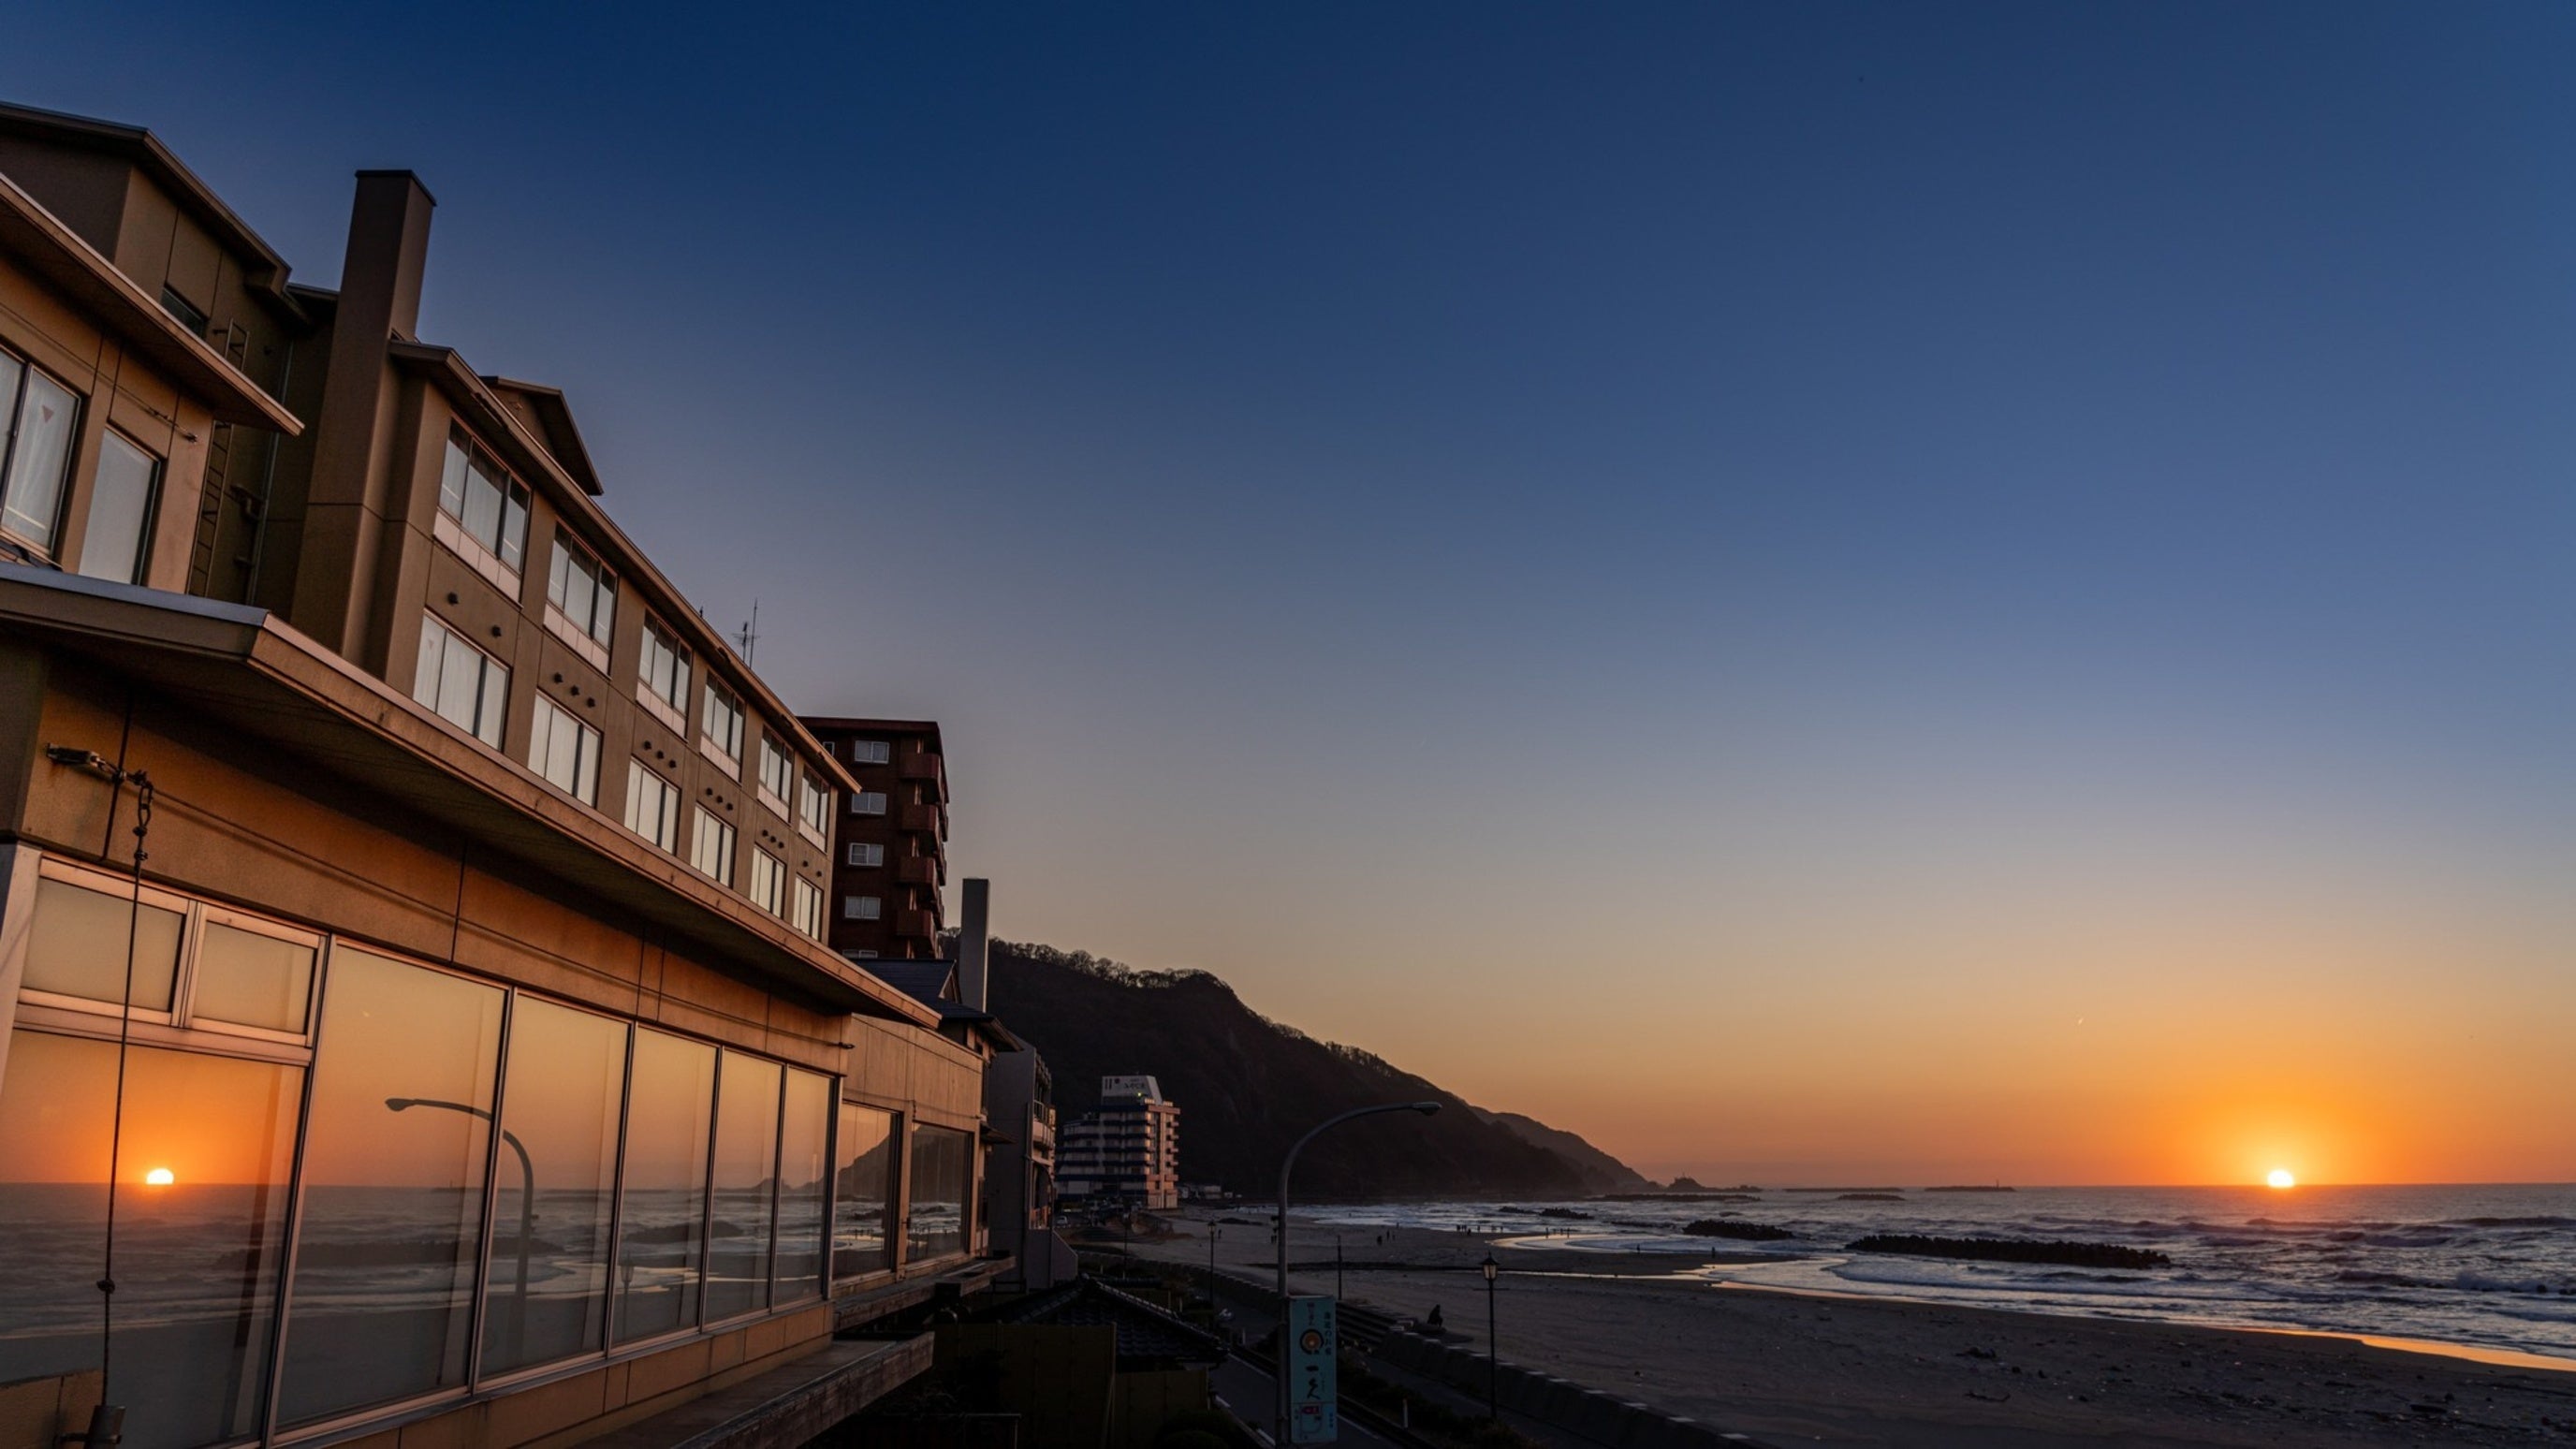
814	806
746	1181
862	853
806	907
392	1220
868	752
37	423
250	975
484	511
77	946
768	883
863	1182
469	688
664	678
582	593
804	1180
867	802
661	1243
120	512
201	1212
711	847
652	806
723	736
777	775
565	751
560	1102
940	1168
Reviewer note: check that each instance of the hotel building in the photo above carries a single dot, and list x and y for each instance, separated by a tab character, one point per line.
461	1057
892	858
1130	1148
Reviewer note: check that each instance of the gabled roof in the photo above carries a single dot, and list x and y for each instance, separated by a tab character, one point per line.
138	146
62	259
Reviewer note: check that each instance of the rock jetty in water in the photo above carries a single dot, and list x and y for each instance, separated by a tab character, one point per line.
2014	1250
1728	1228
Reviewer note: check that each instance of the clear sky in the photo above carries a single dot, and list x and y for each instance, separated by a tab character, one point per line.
1818	593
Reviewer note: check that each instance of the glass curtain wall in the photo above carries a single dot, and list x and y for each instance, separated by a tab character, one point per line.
937	1223
864	1190
392	1221
746	1186
804	1186
662	1239
547	1296
209	1142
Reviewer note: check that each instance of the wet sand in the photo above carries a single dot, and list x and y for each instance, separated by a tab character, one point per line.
1802	1369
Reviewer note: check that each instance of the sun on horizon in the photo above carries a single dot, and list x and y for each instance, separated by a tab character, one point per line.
160	1177
2281	1177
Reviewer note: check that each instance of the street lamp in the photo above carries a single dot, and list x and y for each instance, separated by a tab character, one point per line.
527	1202
1493	1365
1214	1233
1279	1359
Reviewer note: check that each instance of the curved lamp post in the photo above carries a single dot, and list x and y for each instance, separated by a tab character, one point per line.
527	1200
1279	1358
1493	1365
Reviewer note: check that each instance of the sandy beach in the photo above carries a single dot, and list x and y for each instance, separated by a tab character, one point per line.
1801	1369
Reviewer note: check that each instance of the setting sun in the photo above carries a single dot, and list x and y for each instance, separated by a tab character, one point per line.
2280	1177
163	1177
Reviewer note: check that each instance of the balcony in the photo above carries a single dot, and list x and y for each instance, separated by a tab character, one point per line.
924	820
916	923
918	870
923	765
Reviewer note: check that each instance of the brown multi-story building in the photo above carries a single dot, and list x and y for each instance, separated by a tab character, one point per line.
412	916
890	855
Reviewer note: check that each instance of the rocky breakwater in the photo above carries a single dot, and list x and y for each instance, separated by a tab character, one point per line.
2014	1250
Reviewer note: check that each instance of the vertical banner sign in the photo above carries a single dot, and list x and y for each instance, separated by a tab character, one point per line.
1314	1413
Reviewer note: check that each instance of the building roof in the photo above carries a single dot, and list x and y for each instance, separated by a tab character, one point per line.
930	727
933	983
140	147
59	255
245	670
1148	1337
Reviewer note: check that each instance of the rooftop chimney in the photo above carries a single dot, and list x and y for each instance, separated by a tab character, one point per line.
974	933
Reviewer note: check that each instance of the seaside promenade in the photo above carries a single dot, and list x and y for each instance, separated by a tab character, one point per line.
1803	1369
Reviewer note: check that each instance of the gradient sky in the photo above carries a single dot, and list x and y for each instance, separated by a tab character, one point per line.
1822	593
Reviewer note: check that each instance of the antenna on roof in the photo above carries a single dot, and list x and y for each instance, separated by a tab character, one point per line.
749	638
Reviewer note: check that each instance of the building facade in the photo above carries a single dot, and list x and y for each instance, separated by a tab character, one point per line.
890	858
413	925
1129	1149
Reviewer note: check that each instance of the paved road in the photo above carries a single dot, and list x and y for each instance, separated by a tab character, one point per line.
1249	1392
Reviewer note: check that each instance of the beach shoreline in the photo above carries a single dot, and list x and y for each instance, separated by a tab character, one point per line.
1800	1367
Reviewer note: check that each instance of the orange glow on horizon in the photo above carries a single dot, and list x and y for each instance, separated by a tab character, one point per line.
160	1177
2281	1177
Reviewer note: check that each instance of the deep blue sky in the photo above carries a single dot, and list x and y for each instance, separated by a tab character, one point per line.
1732	540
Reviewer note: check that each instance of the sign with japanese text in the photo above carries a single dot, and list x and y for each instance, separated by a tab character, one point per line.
1314	1413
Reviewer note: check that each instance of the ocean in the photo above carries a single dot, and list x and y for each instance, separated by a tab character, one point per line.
2489	1268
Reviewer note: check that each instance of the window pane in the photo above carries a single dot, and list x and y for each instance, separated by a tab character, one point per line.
42	454
746	1173
548	1297
120	510
196	1256
514	528
482	504
492	697
803	1166
661	1245
460	676
937	1225
864	1186
451	481
251	980
393	1187
77	946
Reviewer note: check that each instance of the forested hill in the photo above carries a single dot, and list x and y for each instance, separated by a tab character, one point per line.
1248	1087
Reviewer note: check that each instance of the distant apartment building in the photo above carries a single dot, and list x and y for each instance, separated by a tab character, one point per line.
890	851
1129	1149
426	909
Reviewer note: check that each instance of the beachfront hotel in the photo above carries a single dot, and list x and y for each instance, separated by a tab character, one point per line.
1129	1148
461	1056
